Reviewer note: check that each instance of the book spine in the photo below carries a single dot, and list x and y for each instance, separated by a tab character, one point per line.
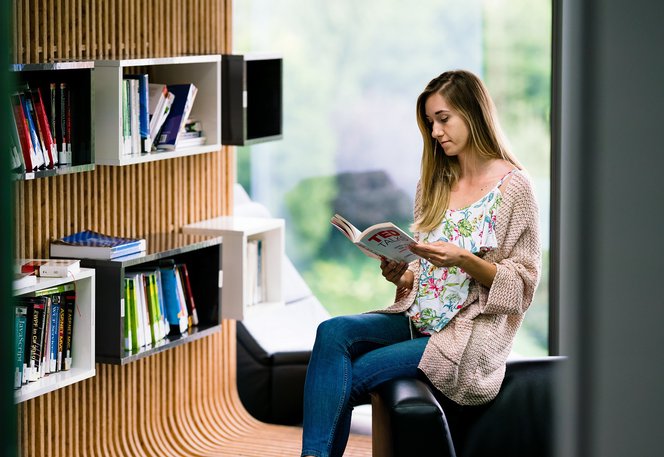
65	155
36	143
70	306
20	326
44	128
61	335
36	340
191	304
127	319
18	163
55	328
23	133
53	96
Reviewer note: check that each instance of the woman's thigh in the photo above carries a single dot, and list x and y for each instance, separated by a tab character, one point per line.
359	333
397	360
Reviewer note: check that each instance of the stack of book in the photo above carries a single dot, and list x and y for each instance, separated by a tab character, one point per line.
43	332
40	134
154	115
89	244
158	302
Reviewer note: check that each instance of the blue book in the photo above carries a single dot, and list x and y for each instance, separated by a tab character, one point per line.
94	245
143	116
172	303
55	329
185	94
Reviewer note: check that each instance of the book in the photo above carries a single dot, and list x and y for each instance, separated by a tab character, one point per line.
89	244
185	94
60	268
27	148
68	337
176	311
51	151
143	111
380	240
160	102
126	118
188	294
52	88
65	152
34	137
134	122
49	268
20	326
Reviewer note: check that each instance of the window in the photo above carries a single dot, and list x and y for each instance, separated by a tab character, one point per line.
352	73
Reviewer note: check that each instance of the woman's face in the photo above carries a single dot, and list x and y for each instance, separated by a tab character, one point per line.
447	126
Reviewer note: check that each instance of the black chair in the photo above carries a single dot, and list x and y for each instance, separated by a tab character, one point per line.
411	417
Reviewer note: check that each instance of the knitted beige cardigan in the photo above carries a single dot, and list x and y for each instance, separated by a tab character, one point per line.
466	359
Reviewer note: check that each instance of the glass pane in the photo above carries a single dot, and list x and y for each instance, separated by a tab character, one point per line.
352	73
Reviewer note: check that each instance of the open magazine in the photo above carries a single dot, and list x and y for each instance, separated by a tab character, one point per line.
380	240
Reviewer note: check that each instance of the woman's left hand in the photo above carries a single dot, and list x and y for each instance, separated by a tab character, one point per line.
440	253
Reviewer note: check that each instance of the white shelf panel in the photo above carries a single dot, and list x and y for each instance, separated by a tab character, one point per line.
228	225
83	342
235	233
52	382
203	71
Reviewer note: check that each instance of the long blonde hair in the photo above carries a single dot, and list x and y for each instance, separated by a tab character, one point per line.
466	94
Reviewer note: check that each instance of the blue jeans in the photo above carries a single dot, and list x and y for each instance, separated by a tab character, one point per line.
352	355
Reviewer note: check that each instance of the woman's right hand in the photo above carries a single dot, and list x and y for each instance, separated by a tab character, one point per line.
396	272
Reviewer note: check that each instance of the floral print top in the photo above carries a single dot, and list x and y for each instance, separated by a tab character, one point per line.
443	291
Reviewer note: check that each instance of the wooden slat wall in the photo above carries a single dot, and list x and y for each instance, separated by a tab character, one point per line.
182	402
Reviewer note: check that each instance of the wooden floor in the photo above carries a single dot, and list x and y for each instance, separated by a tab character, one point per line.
182	402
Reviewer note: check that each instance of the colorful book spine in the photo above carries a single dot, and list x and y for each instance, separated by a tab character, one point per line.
53	95
27	148
36	143
64	153
20	328
44	127
70	306
54	334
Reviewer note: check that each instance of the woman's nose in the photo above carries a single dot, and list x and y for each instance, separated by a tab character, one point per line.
437	131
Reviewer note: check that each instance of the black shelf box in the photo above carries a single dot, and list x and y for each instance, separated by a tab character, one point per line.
251	98
78	76
201	254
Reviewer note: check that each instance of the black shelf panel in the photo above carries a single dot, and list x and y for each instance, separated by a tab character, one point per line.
171	341
252	108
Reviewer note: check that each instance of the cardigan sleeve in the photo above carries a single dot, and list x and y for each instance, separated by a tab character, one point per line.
518	270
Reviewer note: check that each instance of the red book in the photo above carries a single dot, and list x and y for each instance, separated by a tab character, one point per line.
189	296
23	133
44	128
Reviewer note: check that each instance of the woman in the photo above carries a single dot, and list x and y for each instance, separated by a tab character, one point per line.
458	307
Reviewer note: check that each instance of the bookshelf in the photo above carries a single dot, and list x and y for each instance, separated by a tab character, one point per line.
252	93
236	232
83	339
78	77
204	71
201	254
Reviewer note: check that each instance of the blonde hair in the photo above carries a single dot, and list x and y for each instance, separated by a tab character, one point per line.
466	94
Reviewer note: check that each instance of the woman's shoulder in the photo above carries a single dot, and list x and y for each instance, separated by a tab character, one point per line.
519	190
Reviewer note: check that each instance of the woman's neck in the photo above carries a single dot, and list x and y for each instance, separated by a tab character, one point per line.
473	166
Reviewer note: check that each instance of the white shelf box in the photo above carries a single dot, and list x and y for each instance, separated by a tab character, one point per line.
83	342
236	232
204	71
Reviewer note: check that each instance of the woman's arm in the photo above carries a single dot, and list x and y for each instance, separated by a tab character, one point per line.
442	254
